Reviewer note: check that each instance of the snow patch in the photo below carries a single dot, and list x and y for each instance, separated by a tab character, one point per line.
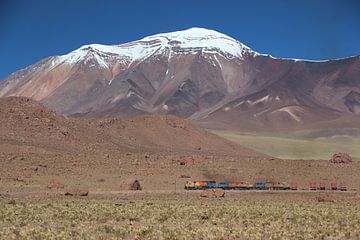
118	97
227	109
291	110
256	115
218	62
238	104
263	99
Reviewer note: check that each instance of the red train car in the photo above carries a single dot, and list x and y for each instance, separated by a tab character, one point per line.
343	186
293	186
322	186
313	186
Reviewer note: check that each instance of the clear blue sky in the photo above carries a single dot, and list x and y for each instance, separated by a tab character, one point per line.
310	29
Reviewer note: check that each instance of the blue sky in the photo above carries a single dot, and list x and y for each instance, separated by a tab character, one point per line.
310	29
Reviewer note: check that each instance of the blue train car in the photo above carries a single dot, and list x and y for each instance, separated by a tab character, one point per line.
223	185
211	184
260	186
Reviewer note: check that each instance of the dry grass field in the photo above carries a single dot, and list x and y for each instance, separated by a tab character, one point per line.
180	218
299	144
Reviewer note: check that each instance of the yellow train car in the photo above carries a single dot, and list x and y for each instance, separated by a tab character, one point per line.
241	185
281	186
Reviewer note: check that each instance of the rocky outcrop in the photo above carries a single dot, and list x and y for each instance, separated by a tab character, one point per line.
130	184
213	193
76	192
341	158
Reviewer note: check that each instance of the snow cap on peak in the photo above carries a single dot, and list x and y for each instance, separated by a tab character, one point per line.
202	38
192	33
187	40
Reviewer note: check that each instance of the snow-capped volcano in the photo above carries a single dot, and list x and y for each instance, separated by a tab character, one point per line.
197	73
180	42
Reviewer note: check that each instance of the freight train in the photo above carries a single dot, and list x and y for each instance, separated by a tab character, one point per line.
267	185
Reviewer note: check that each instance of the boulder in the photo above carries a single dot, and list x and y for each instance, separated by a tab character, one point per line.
77	192
192	160
34	168
203	216
185	176
219	192
182	162
213	193
131	185
207	193
288	216
341	158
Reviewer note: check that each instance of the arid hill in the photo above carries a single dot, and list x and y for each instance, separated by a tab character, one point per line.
25	121
43	148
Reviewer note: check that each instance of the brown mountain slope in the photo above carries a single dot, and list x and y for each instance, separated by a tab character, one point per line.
40	148
196	74
27	122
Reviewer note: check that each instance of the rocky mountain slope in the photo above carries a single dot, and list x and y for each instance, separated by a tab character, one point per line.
198	74
25	122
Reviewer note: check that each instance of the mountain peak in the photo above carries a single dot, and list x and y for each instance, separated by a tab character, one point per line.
191	40
192	34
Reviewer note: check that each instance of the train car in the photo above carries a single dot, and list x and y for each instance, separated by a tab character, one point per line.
313	186
241	185
294	186
322	186
262	185
223	185
247	186
281	186
234	185
198	185
343	186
